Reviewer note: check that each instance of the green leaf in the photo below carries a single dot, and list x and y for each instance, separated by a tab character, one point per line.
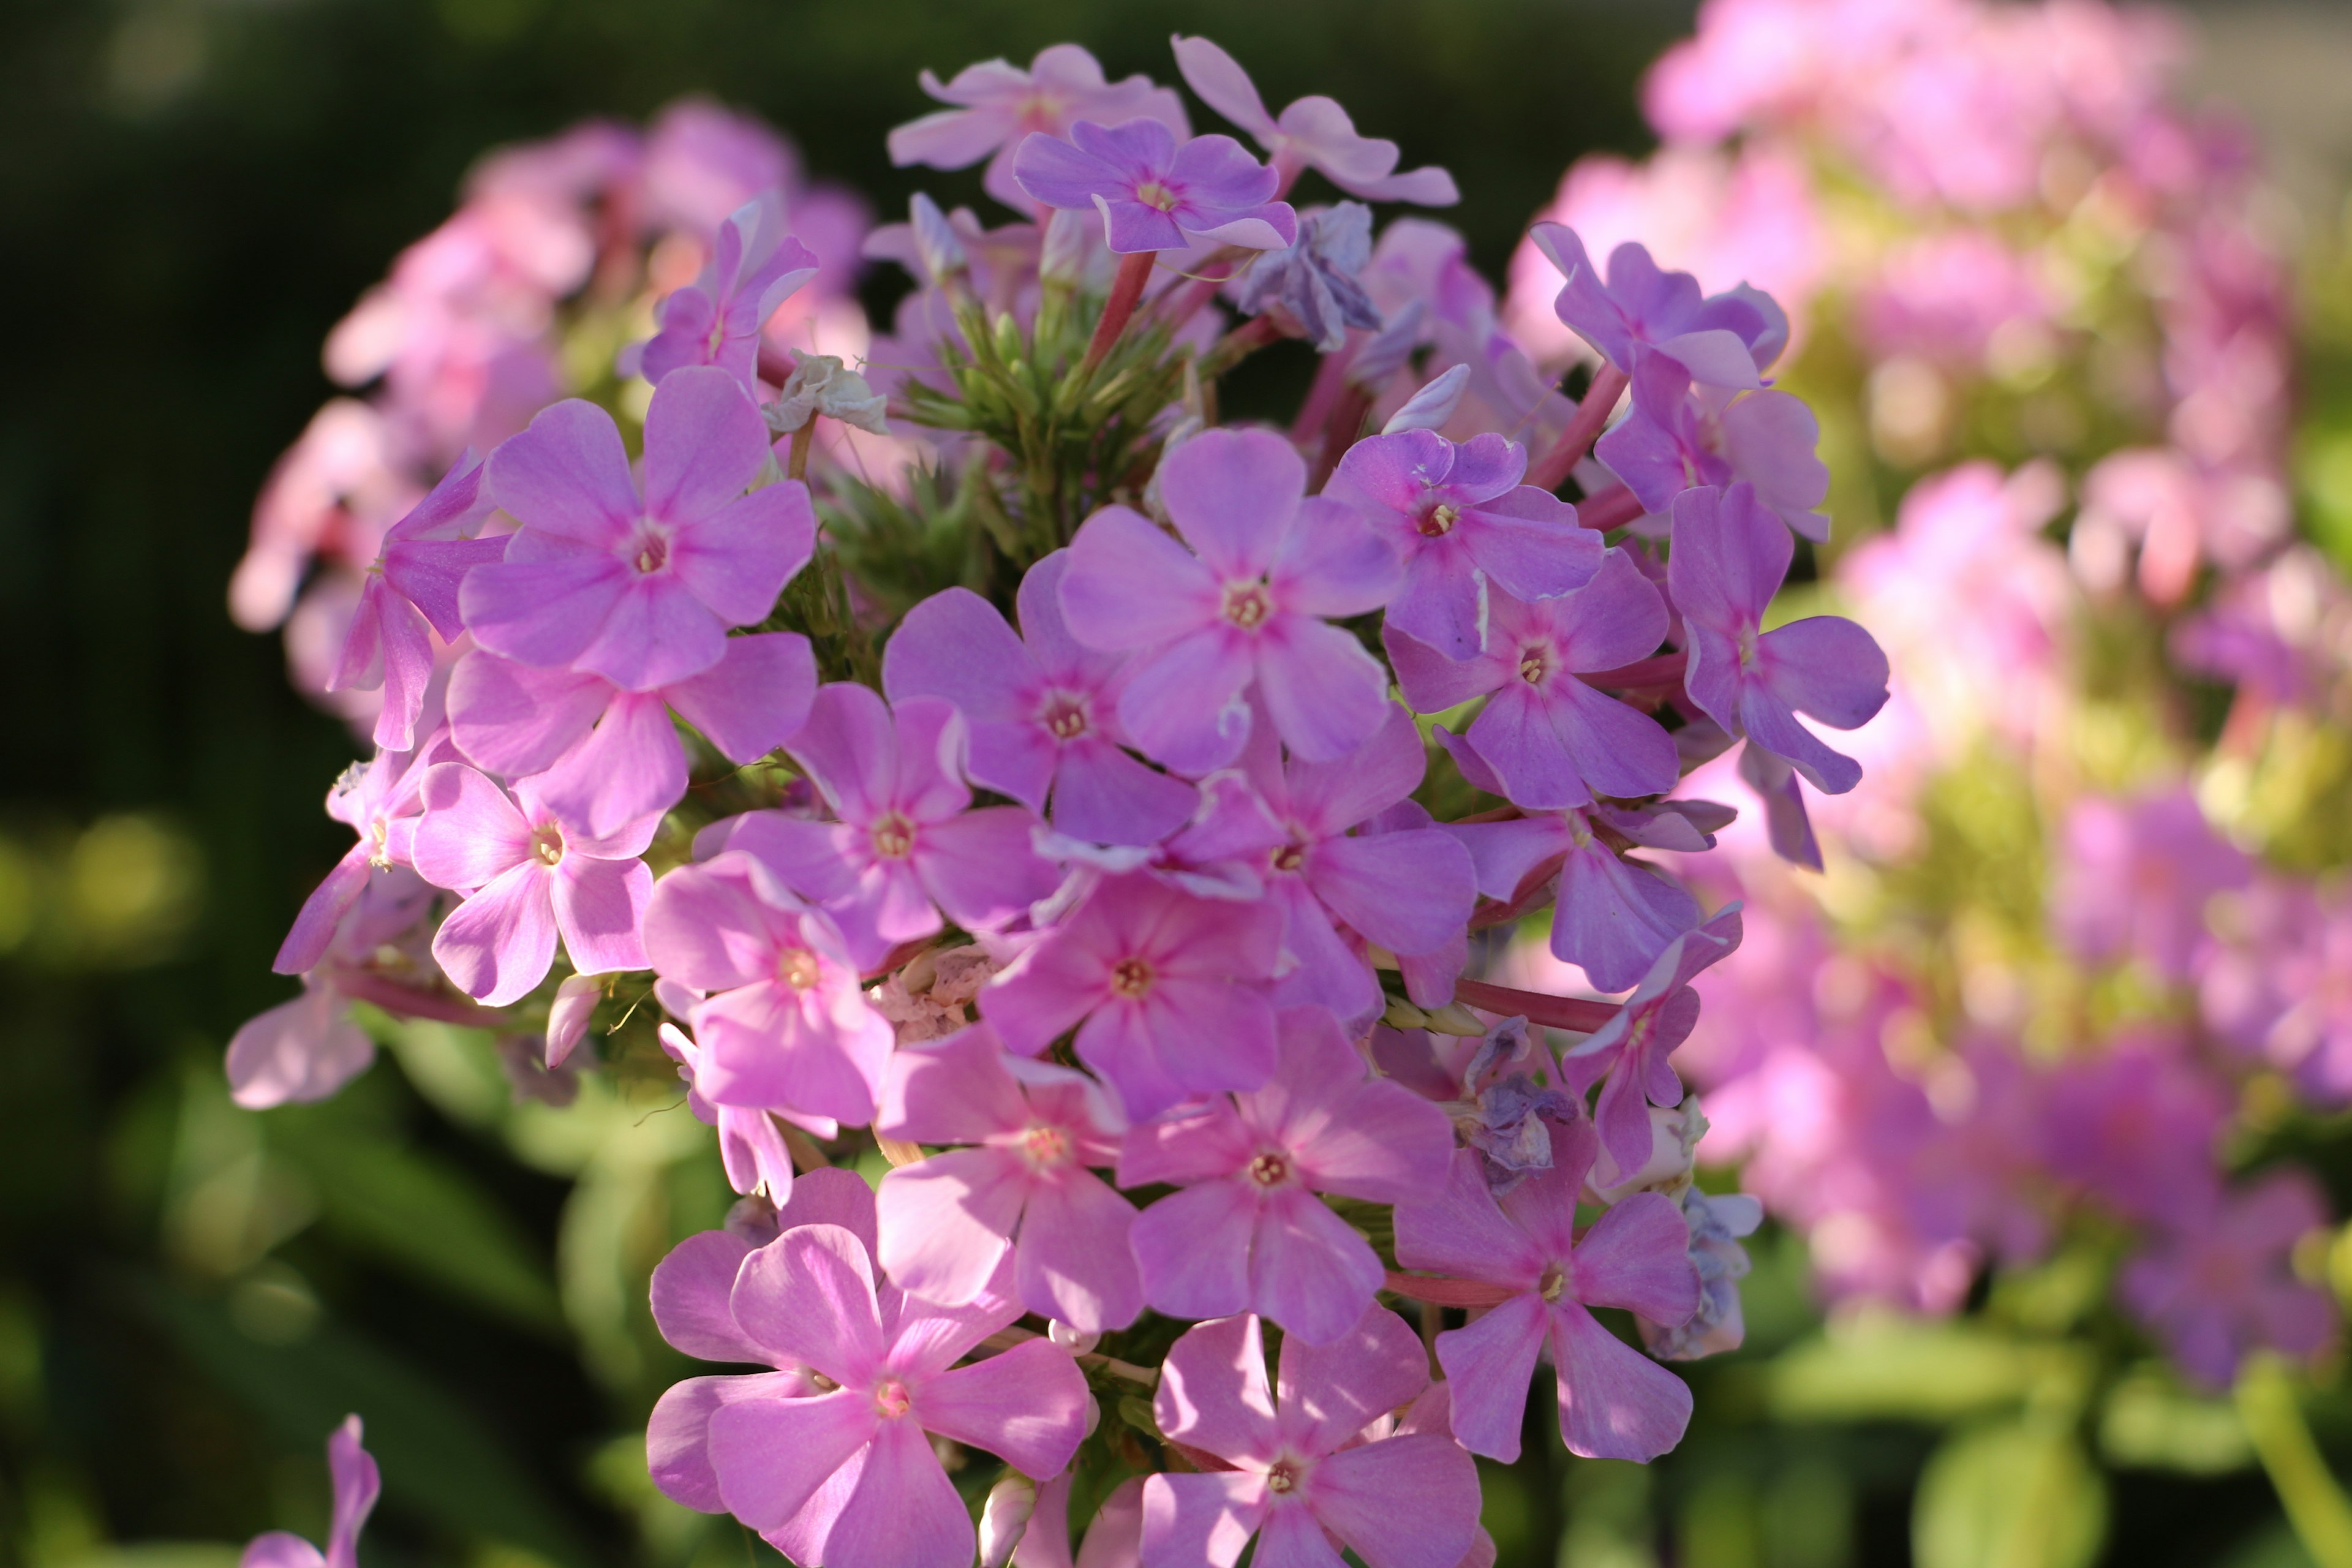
2011	1494
1887	1367
2151	1421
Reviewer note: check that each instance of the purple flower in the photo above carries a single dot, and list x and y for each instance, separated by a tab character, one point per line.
1614	1403
1153	193
298	1051
2218	1287
1718	1222
1312	134
529	868
2136	878
639	591
410	593
2276	987
907	844
782	1021
1168	992
1247	1233
1723	339
998	105
356	1486
754	267
1313	280
615	752
1024	1187
1551	740
848	1477
1729	557
1243	611
1630	1055
2138	1125
751	1148
1409	892
1041	707
1676	438
381	801
1459	518
1300	1482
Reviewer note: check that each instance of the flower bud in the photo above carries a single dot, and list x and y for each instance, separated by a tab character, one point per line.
567	1019
1432	406
936	245
1004	1519
1075	1341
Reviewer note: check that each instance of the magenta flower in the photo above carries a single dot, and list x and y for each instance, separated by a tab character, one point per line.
2136	878
381	801
1312	134
1459	519
2218	1287
298	1051
1630	1056
692	1303
1551	739
1675	438
1614	1402
1247	1233
848	1478
1024	1187
1166	991
1729	557
751	1148
615	752
782	1021
1723	339
357	1484
529	868
1155	194
410	592
908	844
998	105
1041	707
639	591
1409	892
754	267
1243	611
1300	1482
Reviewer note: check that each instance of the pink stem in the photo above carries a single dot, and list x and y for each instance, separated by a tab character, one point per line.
1612	508
1125	290
1599	399
1663	669
406	1002
1443	1292
1553	1012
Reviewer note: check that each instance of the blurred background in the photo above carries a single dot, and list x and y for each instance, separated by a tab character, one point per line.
193	192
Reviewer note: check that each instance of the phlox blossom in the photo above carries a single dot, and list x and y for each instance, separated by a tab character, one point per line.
1630	1055
1154	193
998	105
1313	132
356	1486
754	266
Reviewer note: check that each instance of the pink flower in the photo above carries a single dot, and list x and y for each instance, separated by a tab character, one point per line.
410	592
1723	339
1630	1056
1245	610
908	846
298	1051
615	752
1042	710
949	1220
2135	877
751	1149
1247	1233
639	591
1167	992
998	105
1551	739
1312	134
1459	518
1676	437
381	800
1614	1403
529	868
2218	1287
780	1020
1408	890
1300	1482
848	1477
1154	194
754	266
1729	557
357	1484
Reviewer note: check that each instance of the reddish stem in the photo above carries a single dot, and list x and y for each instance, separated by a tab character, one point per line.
1449	1292
406	1002
1663	669
1552	1012
1316	411
1612	508
1584	426
1126	291
1348	411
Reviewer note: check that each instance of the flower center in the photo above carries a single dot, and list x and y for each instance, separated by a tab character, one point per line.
1270	1169
1066	715
652	552
1438	520
1130	977
547	845
894	837
1045	1146
1288	858
891	1399
1535	663
1554	1284
1248	605
1153	193
1747	639
796	967
1284	1478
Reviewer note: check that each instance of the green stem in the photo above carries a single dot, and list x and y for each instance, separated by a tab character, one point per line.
2315	1505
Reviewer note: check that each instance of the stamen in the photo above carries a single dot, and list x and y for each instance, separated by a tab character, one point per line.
1248	604
547	845
1131	977
891	1399
1270	1169
1066	715
894	837
1438	520
1535	663
796	967
1288	859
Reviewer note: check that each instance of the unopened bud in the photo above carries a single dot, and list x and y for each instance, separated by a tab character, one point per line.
1073	255
1432	406
1075	1341
936	245
1454	1018
567	1018
1094	1415
1004	1519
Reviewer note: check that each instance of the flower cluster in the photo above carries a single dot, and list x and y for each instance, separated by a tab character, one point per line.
1109	872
